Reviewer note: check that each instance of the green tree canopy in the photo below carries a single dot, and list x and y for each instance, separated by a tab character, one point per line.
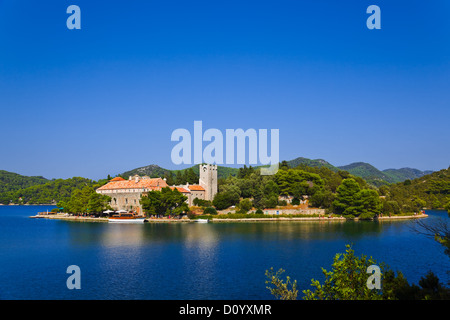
227	198
164	202
86	200
351	201
245	205
345	197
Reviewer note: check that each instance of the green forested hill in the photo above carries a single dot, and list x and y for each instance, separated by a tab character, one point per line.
311	163
400	175
429	191
377	177
155	171
222	172
50	192
10	181
368	172
363	170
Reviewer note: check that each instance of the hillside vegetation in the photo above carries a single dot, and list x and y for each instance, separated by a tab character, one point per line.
364	170
10	181
49	192
430	191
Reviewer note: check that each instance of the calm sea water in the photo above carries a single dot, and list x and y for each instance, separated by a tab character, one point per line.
193	261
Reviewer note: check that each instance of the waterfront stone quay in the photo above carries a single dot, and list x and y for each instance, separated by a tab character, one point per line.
67	217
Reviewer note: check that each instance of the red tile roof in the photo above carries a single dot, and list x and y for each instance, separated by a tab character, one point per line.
182	190
196	187
117	179
152	184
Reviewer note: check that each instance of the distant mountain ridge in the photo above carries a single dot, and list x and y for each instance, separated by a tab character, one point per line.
370	173
311	163
359	169
155	171
366	171
406	173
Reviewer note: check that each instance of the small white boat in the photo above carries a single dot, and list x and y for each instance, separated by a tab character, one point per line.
202	220
126	218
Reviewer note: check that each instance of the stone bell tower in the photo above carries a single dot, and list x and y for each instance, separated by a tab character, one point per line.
208	180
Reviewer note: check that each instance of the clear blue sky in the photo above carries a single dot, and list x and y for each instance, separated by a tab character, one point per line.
106	98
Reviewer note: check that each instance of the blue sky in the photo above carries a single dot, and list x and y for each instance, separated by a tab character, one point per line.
106	98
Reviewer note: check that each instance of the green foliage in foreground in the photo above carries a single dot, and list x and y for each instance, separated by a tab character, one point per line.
280	289
347	280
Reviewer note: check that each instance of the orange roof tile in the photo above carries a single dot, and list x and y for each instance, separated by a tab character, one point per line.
196	187
152	184
117	179
182	190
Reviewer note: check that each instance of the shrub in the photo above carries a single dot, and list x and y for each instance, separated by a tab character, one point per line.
210	210
271	201
201	202
245	205
223	200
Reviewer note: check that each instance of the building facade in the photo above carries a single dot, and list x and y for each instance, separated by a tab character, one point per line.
208	180
126	194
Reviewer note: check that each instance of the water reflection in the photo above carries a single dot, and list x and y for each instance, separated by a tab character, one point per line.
84	234
123	235
204	261
208	235
200	236
199	259
298	230
195	261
